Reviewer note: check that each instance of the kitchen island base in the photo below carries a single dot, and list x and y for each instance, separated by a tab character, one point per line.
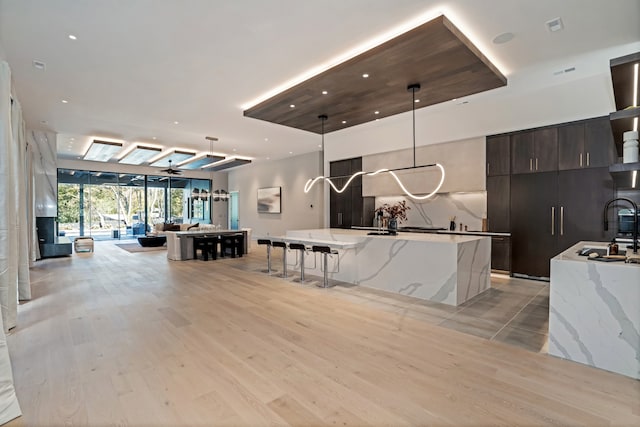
594	311
448	269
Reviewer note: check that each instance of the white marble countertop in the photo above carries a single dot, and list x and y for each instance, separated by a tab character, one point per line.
337	234
462	233
572	254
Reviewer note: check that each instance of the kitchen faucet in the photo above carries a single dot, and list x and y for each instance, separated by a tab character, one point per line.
635	219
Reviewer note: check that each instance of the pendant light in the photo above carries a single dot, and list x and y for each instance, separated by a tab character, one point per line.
311	182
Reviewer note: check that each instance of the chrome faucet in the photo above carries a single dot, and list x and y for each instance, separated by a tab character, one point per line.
635	219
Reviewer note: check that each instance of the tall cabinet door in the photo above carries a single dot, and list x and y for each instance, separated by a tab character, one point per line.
533	222
545	142
522	152
599	146
498	193
571	146
498	155
582	195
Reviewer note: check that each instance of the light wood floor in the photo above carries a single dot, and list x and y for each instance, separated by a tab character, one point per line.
118	338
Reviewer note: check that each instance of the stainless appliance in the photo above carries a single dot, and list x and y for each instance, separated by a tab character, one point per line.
625	221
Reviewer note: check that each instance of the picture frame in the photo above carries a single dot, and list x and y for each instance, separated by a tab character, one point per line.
270	200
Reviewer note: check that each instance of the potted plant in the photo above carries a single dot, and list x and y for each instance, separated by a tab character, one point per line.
396	213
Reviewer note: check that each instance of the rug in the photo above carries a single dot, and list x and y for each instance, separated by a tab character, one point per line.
135	247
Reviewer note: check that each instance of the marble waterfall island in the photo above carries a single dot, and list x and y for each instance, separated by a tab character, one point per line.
449	269
594	311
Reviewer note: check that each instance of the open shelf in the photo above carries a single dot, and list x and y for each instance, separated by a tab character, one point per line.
622	174
622	78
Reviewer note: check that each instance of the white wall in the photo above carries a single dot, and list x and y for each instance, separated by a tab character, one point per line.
299	210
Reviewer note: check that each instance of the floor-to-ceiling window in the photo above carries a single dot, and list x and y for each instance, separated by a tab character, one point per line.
107	205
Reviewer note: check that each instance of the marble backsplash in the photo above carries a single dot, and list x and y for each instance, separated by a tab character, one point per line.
468	208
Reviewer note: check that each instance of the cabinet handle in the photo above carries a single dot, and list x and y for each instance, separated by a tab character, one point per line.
488	168
553	220
587	158
339	218
530	164
562	220
536	163
580	159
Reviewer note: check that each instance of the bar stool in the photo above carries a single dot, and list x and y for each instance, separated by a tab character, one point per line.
234	243
267	242
283	245
207	245
326	251
303	249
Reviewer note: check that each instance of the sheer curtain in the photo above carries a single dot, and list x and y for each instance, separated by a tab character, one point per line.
21	200
9	407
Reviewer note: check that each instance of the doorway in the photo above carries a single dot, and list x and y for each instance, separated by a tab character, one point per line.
234	220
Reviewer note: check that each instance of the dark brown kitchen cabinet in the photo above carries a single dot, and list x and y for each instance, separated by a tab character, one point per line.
533	222
587	144
599	146
582	195
501	253
552	211
349	208
498	155
534	151
571	147
498	207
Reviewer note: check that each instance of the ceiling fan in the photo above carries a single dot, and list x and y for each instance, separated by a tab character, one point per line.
171	171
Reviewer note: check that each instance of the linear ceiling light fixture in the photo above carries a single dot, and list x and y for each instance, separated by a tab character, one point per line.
311	182
175	156
229	162
102	151
198	162
140	154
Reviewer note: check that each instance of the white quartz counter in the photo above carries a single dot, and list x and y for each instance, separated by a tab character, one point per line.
445	268
594	311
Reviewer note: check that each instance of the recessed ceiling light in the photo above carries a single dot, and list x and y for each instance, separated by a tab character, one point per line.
72	37
176	122
290	152
319	145
266	139
154	138
39	65
292	106
377	112
234	150
72	139
344	122
503	38
324	92
365	76
64	101
555	24
417	100
268	158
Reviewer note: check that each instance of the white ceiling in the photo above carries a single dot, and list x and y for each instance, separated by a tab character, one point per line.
139	65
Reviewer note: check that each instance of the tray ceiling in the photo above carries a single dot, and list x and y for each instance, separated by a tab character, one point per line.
436	55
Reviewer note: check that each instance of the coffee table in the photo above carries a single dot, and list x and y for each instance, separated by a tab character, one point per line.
152	241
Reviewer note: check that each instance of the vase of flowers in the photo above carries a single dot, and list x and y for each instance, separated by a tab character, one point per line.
396	214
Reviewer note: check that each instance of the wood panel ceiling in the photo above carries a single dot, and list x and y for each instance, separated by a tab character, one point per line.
436	55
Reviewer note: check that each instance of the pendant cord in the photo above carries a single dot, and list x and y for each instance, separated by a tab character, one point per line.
414	125
323	118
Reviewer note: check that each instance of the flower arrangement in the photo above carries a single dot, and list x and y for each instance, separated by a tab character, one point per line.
397	210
